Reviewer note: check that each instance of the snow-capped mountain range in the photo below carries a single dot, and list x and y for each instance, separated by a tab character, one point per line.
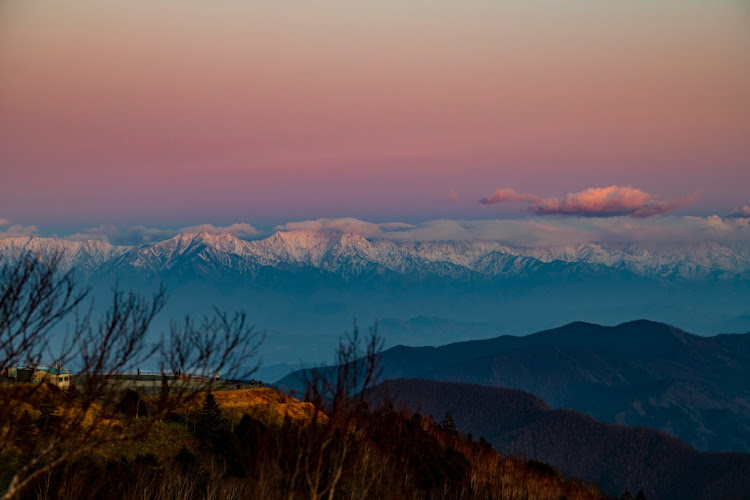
350	255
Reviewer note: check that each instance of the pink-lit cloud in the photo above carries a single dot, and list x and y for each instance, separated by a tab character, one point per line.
8	229
509	194
610	201
742	212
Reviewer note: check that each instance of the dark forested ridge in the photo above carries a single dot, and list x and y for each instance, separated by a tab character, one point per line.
638	373
614	456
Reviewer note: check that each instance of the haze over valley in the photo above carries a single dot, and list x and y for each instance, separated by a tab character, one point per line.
306	286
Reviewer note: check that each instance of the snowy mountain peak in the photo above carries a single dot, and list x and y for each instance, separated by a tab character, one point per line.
351	254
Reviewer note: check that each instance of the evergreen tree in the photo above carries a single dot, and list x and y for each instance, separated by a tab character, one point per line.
640	495
449	425
250	436
210	421
486	445
132	405
186	457
25	438
164	392
49	420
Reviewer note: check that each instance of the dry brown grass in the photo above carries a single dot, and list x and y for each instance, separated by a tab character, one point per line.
267	405
163	439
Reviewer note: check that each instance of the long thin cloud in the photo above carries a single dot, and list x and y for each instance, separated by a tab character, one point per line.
509	194
346	225
535	232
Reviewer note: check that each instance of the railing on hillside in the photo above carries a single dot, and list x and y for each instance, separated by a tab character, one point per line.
221	383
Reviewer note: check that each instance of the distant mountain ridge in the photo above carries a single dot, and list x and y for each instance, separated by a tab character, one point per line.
614	456
637	373
351	255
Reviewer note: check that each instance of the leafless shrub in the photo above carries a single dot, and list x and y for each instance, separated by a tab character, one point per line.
338	394
35	297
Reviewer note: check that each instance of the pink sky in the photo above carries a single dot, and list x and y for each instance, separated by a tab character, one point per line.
183	112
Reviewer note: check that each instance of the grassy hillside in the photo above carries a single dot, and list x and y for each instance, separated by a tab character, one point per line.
262	444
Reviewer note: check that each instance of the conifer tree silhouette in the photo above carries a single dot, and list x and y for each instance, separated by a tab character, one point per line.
448	424
210	421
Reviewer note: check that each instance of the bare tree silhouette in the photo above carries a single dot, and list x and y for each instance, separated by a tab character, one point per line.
35	297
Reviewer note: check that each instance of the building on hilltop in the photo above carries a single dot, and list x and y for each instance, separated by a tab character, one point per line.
59	377
18	373
49	373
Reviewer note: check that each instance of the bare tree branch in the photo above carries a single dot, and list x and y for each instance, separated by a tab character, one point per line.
34	298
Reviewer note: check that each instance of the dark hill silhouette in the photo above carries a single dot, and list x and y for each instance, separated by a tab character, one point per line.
637	373
615	456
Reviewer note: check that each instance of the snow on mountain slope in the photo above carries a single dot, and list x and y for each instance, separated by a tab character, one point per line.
84	256
352	255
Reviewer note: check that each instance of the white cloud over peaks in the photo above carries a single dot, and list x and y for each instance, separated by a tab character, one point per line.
509	194
8	229
525	231
137	235
347	225
239	229
103	232
546	232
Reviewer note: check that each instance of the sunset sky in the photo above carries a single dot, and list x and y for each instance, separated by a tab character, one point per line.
170	114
